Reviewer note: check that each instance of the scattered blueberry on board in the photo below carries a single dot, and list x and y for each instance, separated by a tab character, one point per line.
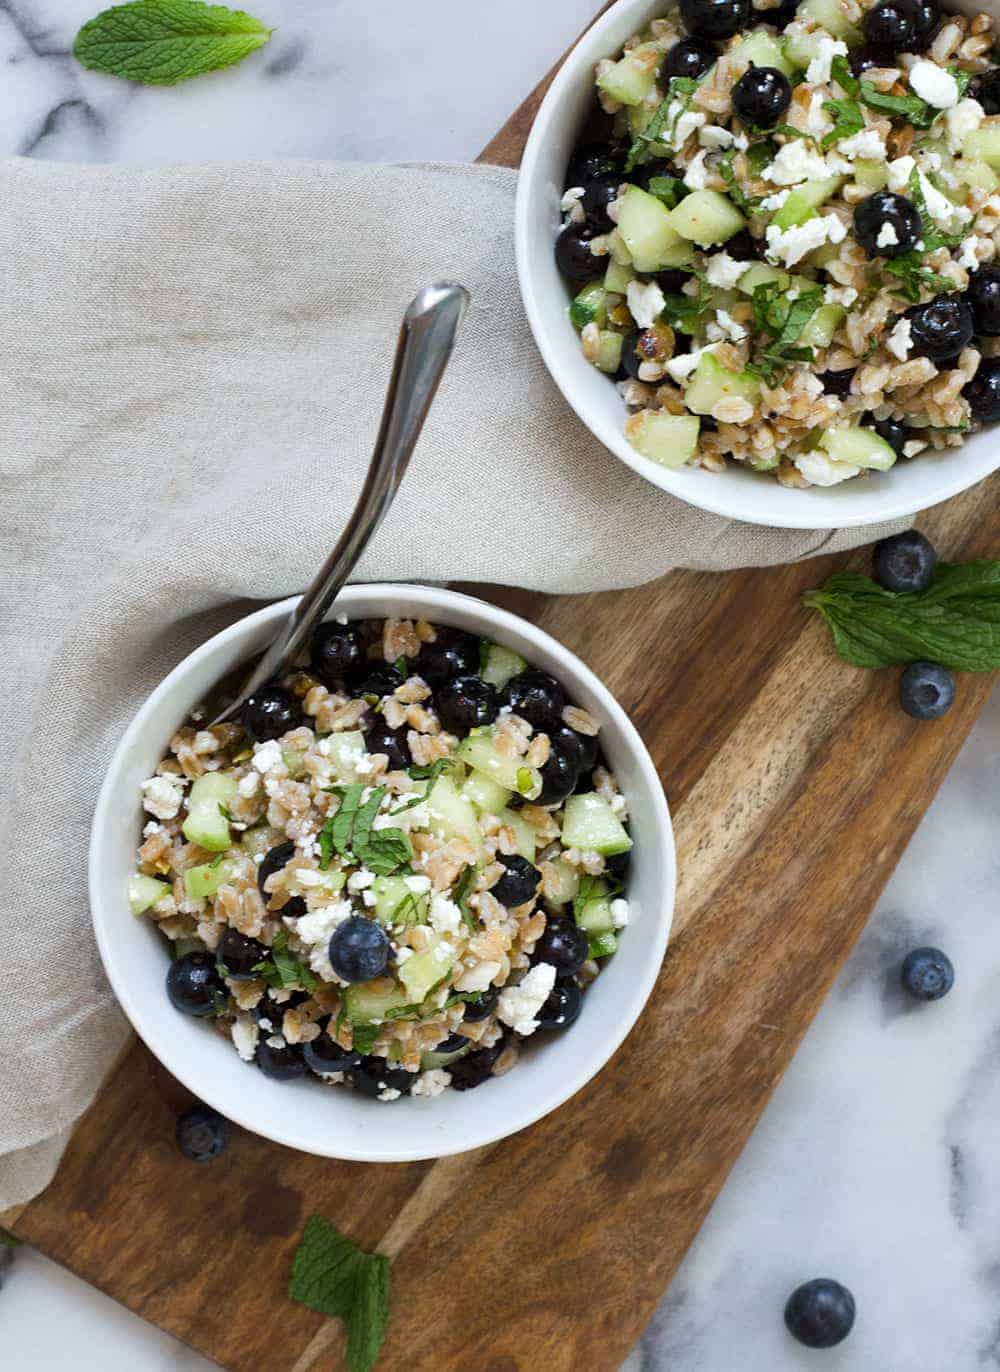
820	1313
927	974
905	562
202	1133
926	691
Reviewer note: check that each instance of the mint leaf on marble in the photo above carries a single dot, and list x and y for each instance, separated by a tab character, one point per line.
333	1275
161	42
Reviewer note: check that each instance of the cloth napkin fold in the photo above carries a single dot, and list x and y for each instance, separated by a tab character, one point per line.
192	369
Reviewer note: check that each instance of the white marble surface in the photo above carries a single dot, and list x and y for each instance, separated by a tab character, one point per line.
874	1162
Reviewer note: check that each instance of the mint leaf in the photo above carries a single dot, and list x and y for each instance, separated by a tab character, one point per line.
955	622
460	895
914	277
161	42
385	852
363	1037
847	121
744	202
840	71
284	968
669	189
916	111
639	151
774	314
332	1275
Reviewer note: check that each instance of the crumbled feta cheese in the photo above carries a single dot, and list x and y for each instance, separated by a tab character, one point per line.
724	271
369	898
267	757
934	84
445	916
942	210
364	766
791	245
619	805
775	201
899	173
478	978
431	1083
887	236
961	119
796	162
418	885
389	1093
680	368
817	121
971	248
645	301
341	618
822	470
360	880
402	954
899	341
162	796
314	931
869	143
714	136
570	198
835	230
688	122
152	827
619	913
913	446
249	785
245	1035
518	1005
818	70
695	173
840	295
728	326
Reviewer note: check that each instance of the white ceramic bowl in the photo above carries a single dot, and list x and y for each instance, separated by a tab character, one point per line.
341	1123
737	492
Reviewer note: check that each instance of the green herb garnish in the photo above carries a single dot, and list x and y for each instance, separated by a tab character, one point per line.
932	236
747	203
914	277
430	774
351	833
461	893
363	1037
639	152
784	320
161	42
760	155
914	110
840	71
955	622
685	312
284	969
669	189
333	1275
402	665
847	121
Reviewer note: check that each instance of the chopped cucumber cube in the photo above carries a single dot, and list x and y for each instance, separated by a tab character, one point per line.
424	970
395	903
563	883
593	913
618	249
205	879
205	824
983	144
821	327
433	1059
669	439
763	50
760	274
804	200
602	945
632	78
617	278
706	217
609	351
861	447
769	463
645	227
345	751
368	1002
590	824
872	175
711	382
483	793
978	175
480	752
525	835
639	117
451	816
829	15
589	306
503	663
145	891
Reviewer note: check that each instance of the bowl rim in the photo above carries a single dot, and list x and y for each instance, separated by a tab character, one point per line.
280	1128
814	508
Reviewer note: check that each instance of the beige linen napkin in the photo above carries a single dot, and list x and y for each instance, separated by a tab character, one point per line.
192	366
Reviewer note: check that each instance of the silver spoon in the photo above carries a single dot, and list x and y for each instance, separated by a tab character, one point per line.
425	342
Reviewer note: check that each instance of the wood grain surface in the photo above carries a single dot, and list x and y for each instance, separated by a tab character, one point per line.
795	783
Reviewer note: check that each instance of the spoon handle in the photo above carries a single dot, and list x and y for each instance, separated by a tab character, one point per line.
425	342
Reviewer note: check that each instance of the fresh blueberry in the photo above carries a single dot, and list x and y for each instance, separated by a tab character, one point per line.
886	209
928	19
379	738
715	19
454	1043
269	713
940	328
983	391
597	196
336	654
324	1056
905	562
536	697
619	864
453	653
820	1313
559	775
564	945
591	161
580	748
202	1133
194	986
926	691
281	1062
465	703
984	297
894	433
270	1010
475	1068
986	89
632	359
373	1075
861	60
761	96
238	955
519	882
837	383
359	949
780	17
892	24
482	1008
687	58
927	973
562	1007
672	280
742	247
573	256
380	681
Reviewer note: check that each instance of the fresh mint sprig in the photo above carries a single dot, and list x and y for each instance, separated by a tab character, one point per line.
284	969
332	1275
161	42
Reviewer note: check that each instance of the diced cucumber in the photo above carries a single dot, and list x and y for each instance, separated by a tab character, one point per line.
644	225
983	144
801	48
872	175
829	15
563	883
706	217
525	834
345	751
368	1002
484	793
711	382
761	274
424	970
480	752
433	1059
293	760
205	879
593	913
804	200
608	357
602	945
145	891
669	439
590	824
450	814
618	249
205	824
769	463
861	447
763	50
503	663
639	117
978	175
632	78
617	278
822	256
395	903
821	327
589	306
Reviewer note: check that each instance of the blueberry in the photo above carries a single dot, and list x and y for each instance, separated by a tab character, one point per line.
372	1076
861	60
927	973
882	209
894	433
336	654
984	298
715	18
453	653
761	96
270	1010
926	691
562	1007
392	742
380	681
780	17
519	882
892	24
483	1008
573	256
597	196
281	1063
619	865
928	18
688	58
359	949
194	986
465	703
820	1313
275	859
238	955
591	161
983	391
905	562
454	1043
564	945
986	89
837	383
475	1068
269	713
559	777
536	697
324	1056
940	328
581	748
672	280
742	247
632	359
202	1133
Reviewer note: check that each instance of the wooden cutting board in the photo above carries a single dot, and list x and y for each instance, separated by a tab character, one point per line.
795	783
